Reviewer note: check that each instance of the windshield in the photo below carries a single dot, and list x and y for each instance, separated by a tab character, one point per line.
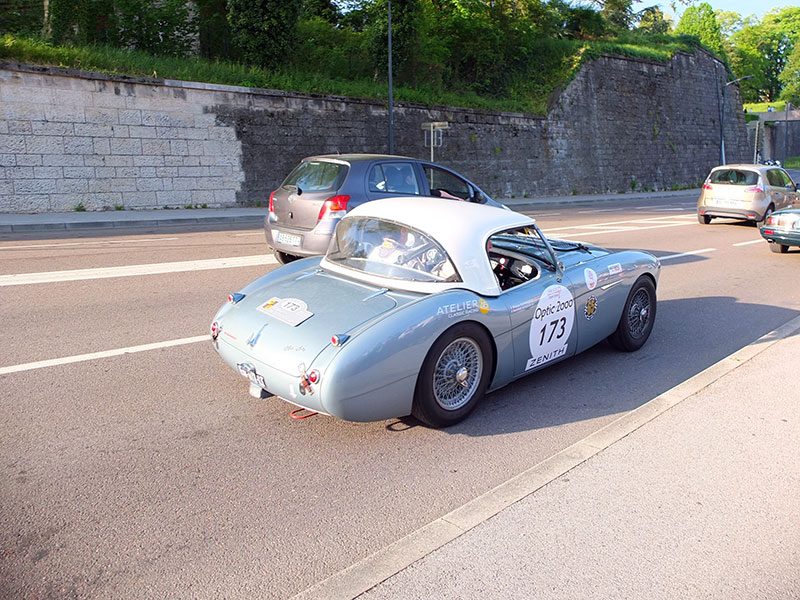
389	249
527	241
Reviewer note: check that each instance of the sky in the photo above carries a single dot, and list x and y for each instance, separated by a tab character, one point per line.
743	7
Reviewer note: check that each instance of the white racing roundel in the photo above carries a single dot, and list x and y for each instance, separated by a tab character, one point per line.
551	325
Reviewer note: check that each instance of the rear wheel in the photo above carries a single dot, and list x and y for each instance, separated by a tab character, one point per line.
638	317
454	376
767	213
703	219
778	248
283	257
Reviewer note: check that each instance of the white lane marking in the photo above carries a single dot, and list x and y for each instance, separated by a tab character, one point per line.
585	233
750	242
691	253
601	210
134	270
611	224
41	364
97	243
258	233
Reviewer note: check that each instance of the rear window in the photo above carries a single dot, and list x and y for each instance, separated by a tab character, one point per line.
389	249
734	177
316	176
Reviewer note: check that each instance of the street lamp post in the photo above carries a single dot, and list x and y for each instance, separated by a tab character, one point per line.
391	91
722	118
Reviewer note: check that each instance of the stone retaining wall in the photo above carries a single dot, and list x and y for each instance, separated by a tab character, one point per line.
70	139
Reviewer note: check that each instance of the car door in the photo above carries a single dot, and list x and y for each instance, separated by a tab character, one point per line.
790	186
543	322
776	190
388	179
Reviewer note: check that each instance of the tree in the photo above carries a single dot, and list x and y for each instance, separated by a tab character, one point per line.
263	30
653	21
790	78
701	22
762	49
619	13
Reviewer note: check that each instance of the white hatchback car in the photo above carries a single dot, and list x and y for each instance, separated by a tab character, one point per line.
749	192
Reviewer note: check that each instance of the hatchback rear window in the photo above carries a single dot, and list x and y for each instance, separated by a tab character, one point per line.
316	176
734	177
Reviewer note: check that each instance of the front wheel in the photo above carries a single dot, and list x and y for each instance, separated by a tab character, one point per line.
638	317
454	376
779	248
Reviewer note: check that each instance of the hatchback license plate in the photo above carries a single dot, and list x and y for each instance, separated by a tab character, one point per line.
288	239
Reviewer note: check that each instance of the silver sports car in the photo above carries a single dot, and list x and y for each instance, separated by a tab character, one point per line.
422	305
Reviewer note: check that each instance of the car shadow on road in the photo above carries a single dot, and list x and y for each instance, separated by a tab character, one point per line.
690	335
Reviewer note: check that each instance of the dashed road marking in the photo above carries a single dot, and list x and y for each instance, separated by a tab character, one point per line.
53	362
134	270
750	242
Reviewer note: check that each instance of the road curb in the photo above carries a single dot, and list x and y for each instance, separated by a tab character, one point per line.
383	564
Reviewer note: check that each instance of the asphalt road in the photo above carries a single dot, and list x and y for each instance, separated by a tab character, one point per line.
154	474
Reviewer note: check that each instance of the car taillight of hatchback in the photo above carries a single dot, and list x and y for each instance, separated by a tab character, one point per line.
334	207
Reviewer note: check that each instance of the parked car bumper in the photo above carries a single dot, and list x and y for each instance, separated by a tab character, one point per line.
299	242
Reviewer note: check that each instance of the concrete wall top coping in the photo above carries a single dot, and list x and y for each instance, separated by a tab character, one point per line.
236	89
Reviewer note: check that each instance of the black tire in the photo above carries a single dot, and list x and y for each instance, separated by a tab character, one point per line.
703	219
447	369
778	248
767	213
638	317
283	257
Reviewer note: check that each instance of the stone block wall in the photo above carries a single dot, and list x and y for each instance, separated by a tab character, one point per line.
70	138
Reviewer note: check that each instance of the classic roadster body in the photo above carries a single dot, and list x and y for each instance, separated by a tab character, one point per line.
421	306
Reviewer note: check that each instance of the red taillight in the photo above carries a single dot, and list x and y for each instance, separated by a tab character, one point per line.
272	202
707	186
334	204
768	231
313	376
756	189
215	329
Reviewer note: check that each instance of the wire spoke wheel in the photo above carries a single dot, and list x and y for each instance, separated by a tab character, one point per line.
639	313
457	373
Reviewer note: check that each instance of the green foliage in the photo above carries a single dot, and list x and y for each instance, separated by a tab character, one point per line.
619	13
701	22
762	49
792	162
263	30
21	16
790	77
653	21
214	32
335	52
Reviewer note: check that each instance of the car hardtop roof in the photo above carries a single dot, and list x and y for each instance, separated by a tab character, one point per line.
452	223
351	158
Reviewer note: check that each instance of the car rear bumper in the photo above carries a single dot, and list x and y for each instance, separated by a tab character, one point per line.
310	242
784	238
731	213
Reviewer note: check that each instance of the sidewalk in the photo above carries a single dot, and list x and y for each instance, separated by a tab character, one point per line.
18	223
695	494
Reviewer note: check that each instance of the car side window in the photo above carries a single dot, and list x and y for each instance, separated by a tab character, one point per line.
395	178
446	185
786	179
774	178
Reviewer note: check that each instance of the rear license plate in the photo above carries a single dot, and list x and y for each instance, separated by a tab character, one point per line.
249	371
288	239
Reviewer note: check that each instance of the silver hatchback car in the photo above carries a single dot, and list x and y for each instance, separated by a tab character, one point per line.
304	210
749	192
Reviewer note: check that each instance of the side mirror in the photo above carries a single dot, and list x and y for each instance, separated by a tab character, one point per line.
477	197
